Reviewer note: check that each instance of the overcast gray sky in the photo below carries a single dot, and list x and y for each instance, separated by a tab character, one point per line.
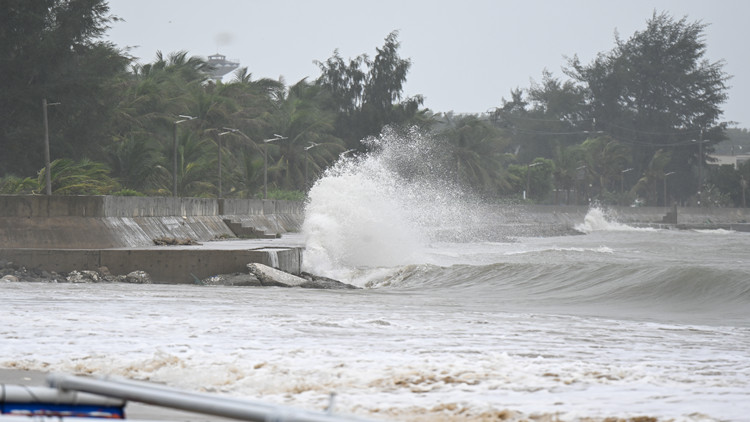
466	54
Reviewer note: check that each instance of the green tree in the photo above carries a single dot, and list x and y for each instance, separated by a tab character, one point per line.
550	116
605	159
368	93
50	49
650	184
656	90
83	177
569	173
303	120
477	153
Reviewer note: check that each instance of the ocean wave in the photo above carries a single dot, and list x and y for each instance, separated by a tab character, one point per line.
599	219
669	287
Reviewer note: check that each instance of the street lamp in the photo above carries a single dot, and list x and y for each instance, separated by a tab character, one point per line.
174	152
307	158
622	179
226	131
700	163
665	187
583	176
47	167
265	162
527	192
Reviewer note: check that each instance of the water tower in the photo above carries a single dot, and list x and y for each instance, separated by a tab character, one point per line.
220	66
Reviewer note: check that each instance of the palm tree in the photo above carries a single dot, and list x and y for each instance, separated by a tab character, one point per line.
477	152
301	118
605	158
653	177
84	177
134	161
195	167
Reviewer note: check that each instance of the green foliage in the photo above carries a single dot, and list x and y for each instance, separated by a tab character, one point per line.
367	93
127	192
476	151
49	49
84	177
657	90
649	186
729	181
14	185
652	104
286	195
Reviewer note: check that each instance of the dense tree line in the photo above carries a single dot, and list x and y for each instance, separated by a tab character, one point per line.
614	130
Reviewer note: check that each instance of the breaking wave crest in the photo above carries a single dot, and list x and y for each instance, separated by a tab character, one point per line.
379	209
599	219
682	289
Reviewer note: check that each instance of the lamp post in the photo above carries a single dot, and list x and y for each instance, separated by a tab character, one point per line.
700	164
580	170
265	162
47	166
527	192
665	187
226	131
307	158
743	185
174	152
622	180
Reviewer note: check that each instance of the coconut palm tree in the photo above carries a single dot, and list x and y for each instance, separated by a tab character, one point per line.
649	185
84	177
476	149
301	118
605	158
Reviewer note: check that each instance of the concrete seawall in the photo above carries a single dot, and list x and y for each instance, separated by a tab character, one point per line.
66	233
164	265
573	215
98	222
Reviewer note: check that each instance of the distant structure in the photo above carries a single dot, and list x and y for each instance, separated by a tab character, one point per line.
220	66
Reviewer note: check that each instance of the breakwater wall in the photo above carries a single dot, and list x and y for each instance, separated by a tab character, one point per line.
573	215
66	233
99	222
164	265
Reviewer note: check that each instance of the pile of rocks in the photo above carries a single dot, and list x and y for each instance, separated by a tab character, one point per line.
10	272
174	241
258	276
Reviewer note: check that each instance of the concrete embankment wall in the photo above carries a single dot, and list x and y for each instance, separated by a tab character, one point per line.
572	215
66	233
164	265
97	222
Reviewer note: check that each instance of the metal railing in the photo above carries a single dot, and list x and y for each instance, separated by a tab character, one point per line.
207	404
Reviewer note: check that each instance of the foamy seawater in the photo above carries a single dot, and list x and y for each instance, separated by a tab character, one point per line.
455	322
427	342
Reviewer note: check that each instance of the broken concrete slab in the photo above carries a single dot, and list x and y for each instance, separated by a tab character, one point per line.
269	276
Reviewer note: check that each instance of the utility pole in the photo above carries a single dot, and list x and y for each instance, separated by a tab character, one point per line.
47	166
700	164
527	193
174	152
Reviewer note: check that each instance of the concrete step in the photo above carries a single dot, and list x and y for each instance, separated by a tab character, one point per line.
246	232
